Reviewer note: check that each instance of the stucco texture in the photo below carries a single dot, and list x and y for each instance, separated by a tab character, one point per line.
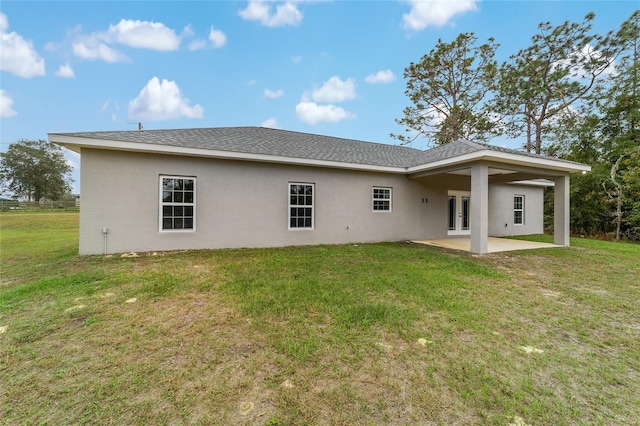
244	204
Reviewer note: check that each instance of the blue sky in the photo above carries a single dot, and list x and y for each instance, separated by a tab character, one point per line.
326	67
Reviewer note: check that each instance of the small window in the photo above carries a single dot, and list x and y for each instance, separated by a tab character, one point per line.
381	199
177	203
518	209
301	205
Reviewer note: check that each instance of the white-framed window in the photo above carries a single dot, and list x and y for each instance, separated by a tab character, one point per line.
177	203
301	205
518	209
381	199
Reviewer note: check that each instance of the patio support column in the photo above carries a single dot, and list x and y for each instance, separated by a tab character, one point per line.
561	211
479	216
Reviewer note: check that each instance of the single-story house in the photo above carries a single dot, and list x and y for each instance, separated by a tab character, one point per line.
151	190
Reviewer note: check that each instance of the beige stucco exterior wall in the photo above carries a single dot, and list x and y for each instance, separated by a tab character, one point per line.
501	210
245	204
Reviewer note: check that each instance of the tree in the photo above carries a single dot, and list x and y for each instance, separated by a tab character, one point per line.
631	187
447	88
35	170
616	102
541	82
605	133
617	194
621	104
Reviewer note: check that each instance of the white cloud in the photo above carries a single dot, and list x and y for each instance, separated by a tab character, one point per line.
434	115
94	50
273	94
65	71
255	11
312	113
110	108
296	59
17	55
498	120
587	53
72	158
162	100
50	46
187	31
434	12
197	44
217	37
142	34
286	13
6	105
272	123
136	34
335	90
382	76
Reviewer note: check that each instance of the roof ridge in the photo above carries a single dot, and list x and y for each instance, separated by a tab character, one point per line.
449	145
259	128
471	143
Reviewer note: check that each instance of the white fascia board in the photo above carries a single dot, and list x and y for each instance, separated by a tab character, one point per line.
506	158
76	143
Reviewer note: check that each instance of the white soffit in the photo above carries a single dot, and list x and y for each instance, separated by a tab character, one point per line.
533	182
492	171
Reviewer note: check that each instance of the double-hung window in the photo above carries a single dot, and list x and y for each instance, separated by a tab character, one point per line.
381	198
177	203
301	205
518	209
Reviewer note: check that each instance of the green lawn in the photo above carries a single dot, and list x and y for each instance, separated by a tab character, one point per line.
352	334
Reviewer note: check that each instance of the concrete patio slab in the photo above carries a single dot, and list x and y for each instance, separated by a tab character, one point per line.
494	245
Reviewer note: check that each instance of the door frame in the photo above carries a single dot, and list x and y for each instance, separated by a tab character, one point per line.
460	222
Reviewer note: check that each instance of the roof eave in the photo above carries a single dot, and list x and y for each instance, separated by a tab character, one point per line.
505	158
75	143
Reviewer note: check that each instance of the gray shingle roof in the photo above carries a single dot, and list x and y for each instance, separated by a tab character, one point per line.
462	147
283	143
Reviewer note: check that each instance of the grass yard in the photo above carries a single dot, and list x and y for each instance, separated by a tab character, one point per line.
331	335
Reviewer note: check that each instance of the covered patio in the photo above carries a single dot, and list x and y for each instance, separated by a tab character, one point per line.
473	167
494	245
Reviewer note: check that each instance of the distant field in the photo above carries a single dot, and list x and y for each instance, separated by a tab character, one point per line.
351	334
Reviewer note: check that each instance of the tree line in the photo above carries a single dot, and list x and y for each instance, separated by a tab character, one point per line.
571	94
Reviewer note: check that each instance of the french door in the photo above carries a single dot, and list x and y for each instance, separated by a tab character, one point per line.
458	213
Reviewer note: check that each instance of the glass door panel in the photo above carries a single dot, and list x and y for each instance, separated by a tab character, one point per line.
452	213
459	213
465	213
